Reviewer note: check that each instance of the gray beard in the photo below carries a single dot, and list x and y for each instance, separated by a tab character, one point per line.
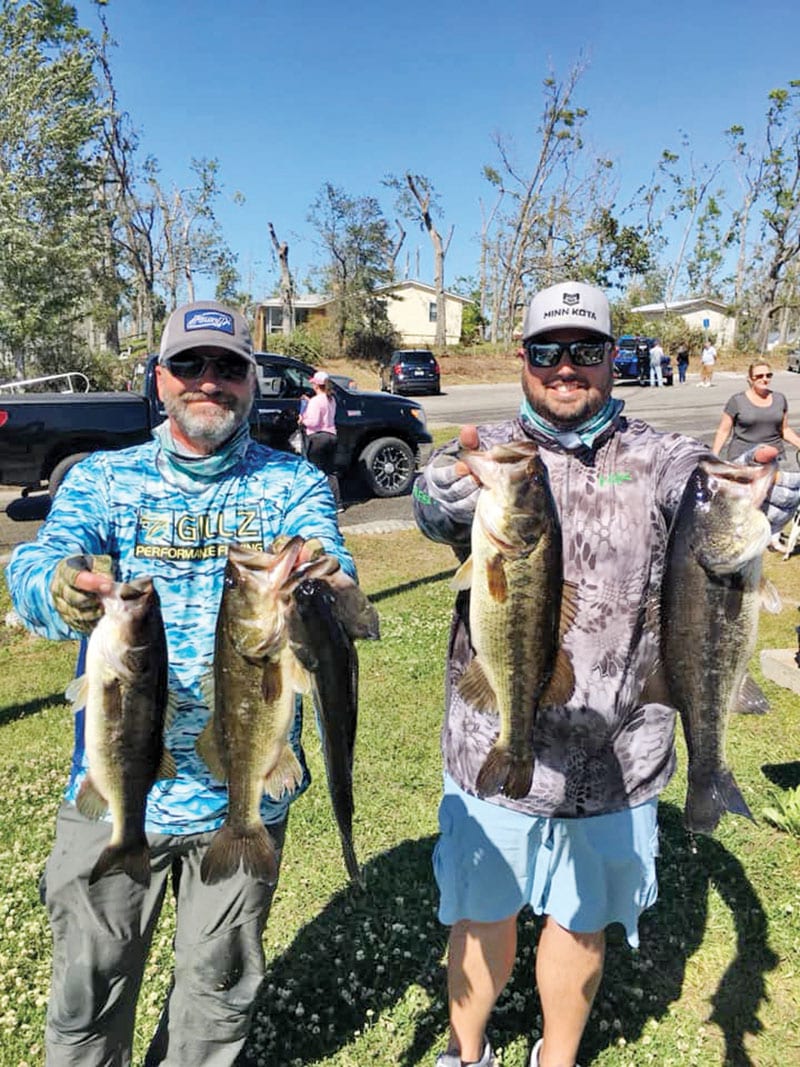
210	429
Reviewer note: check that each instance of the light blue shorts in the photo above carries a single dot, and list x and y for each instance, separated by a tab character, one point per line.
490	861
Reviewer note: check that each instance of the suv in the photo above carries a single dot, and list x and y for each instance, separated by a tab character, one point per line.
626	360
793	360
411	370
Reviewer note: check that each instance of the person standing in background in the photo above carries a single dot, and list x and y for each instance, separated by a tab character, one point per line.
683	361
656	372
708	358
319	422
758	416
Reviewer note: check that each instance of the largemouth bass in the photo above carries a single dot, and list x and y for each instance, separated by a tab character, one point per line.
124	694
515	612
709	622
326	617
255	677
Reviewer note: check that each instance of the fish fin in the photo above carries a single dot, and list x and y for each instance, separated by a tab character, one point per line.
496	578
706	804
90	801
132	859
251	847
569	607
167	767
655	689
462	579
285	776
77	692
207	689
271	681
561	686
357	615
770	597
171	707
206	748
476	689
751	699
300	677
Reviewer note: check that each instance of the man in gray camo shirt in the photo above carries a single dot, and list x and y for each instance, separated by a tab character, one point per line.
580	847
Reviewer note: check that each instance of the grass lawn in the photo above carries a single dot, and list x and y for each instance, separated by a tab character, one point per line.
356	977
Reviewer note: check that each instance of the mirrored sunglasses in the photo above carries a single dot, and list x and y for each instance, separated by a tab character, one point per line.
228	369
579	353
767	376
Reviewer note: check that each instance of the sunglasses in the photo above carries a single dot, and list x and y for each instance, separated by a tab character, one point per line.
580	353
229	369
757	376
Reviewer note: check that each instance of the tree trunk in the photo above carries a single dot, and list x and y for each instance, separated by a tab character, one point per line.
287	282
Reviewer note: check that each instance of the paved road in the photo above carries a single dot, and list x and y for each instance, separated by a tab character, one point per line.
686	408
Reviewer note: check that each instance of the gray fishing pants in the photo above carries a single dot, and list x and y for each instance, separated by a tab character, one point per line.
102	934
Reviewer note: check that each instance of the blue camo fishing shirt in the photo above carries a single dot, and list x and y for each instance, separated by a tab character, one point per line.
126	505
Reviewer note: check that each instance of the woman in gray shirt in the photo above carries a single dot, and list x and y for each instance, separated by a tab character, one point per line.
757	416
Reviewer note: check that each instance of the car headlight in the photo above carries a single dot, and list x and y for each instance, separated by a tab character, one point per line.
419	414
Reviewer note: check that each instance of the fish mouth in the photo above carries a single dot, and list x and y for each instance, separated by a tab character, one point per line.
756	478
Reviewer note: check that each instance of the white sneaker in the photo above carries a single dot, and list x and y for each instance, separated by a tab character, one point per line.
452	1059
535	1054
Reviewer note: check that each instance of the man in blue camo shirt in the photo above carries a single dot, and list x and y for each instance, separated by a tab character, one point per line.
167	509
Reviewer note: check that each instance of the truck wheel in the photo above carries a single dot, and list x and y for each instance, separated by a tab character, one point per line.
58	472
387	466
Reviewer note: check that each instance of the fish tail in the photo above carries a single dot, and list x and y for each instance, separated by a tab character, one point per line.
252	847
520	778
492	775
350	861
706	804
133	859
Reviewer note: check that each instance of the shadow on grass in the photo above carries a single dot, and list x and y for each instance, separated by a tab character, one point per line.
362	954
30	707
396	590
368	951
784	775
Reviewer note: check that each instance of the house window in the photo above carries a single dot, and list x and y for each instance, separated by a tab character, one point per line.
432	311
274	320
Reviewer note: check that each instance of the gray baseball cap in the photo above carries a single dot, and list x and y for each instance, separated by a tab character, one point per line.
573	305
206	323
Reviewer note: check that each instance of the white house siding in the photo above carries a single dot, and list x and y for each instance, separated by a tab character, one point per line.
694	314
408	308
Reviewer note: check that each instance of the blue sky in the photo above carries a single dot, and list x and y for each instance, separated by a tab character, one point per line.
289	96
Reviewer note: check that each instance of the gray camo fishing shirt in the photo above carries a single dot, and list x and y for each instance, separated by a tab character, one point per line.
610	747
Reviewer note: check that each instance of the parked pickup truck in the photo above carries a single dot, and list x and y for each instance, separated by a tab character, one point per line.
380	439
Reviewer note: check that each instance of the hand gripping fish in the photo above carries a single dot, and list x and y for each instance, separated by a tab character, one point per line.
124	694
519	608
327	615
711	594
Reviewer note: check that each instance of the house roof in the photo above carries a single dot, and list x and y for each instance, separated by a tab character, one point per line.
695	303
412	283
312	300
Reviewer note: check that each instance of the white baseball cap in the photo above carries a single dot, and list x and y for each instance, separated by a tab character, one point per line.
568	305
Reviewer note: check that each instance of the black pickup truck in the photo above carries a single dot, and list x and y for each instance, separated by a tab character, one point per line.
380	439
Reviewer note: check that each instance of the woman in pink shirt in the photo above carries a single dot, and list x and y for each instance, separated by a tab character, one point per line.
318	421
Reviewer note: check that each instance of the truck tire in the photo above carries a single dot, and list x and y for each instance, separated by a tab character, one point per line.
58	472
387	466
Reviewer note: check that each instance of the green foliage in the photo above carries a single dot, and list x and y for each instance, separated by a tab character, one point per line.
302	343
785	812
50	230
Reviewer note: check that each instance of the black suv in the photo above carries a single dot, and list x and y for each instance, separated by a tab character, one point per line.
380	439
411	370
